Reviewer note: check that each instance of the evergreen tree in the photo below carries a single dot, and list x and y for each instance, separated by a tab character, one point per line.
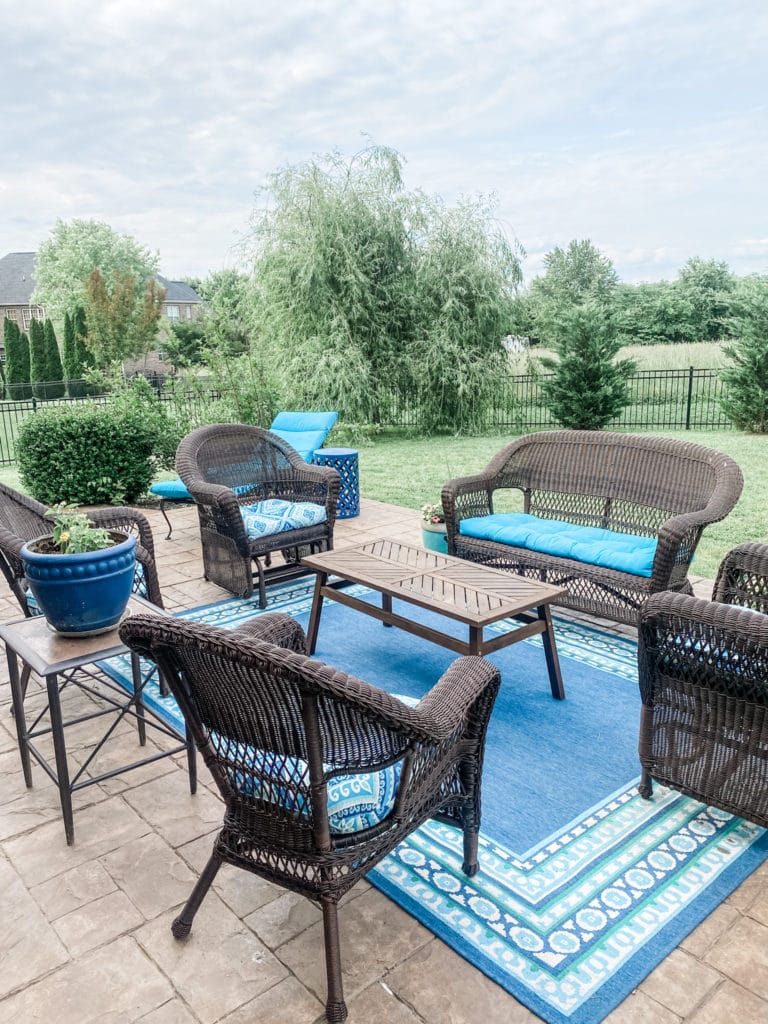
746	379
75	353
53	367
16	362
37	360
588	388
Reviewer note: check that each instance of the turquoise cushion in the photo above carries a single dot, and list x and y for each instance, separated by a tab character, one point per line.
626	552
304	431
265	518
172	490
355	802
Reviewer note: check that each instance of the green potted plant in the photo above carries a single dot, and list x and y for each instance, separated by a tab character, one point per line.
433	529
80	575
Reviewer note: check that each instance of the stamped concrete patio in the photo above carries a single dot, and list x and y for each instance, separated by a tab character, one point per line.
86	929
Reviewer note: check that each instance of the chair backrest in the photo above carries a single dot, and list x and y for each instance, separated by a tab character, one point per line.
271	723
235	455
304	431
21	519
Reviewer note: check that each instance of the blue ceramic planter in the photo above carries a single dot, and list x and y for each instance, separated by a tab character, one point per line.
84	593
434	538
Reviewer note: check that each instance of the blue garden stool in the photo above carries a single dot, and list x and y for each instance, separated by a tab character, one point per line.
344	461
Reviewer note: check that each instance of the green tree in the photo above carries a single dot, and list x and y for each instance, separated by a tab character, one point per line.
708	285
16	362
75	249
655	312
588	386
37	361
122	323
184	344
360	286
571	276
746	379
53	367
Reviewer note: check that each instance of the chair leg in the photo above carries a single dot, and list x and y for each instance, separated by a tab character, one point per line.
165	516
646	784
262	584
183	923
471	866
335	1007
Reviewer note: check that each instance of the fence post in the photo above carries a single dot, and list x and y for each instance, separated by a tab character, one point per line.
690	399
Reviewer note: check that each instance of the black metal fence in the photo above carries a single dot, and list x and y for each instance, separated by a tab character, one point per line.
687	399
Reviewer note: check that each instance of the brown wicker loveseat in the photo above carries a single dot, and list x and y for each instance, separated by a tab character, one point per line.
636	485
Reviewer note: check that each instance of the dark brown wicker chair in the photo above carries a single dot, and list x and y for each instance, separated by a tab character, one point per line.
227	465
23	519
704	687
628	483
276	728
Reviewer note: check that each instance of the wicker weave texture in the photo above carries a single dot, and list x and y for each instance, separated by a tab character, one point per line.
652	486
254	689
226	465
704	687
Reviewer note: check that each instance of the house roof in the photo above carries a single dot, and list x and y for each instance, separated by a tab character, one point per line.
17	278
177	291
17	282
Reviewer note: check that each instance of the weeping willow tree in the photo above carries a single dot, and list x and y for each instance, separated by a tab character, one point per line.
365	293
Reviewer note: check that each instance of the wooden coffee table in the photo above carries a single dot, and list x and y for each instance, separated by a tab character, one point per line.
464	591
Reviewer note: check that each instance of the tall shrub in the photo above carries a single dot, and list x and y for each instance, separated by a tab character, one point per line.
588	387
16	362
37	362
53	368
746	380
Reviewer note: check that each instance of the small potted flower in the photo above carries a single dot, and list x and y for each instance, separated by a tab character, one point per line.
433	530
80	575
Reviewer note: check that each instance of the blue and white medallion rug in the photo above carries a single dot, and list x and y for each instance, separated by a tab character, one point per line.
583	886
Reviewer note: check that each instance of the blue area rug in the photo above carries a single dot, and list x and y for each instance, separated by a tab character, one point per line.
584	887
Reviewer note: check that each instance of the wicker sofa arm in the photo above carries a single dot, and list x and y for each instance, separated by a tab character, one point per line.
466	496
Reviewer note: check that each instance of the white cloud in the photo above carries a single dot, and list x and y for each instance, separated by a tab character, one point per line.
637	125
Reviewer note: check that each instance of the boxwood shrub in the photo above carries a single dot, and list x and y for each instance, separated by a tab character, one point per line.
89	454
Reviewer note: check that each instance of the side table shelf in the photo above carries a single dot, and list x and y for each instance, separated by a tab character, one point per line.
63	662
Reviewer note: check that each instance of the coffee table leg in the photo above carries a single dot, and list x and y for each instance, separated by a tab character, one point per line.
17	696
386	606
550	653
314	615
475	639
60	750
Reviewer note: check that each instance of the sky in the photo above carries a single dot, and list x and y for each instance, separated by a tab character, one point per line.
641	125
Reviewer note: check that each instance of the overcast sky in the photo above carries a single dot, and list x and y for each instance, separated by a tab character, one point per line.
640	124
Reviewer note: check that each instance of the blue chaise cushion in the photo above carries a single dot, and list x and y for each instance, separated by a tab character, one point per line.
171	490
626	552
264	518
304	431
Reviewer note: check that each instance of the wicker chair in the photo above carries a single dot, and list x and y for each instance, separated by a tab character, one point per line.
704	687
653	487
23	519
279	730
226	466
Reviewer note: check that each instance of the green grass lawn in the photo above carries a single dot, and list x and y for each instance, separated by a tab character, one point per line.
409	472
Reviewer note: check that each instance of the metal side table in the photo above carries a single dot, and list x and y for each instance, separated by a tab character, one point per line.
62	662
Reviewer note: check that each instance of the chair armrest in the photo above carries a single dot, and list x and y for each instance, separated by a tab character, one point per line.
446	705
742	578
129	520
275	628
465	497
706	643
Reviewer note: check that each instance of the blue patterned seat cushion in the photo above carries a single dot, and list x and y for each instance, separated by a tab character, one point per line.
274	515
626	552
355	802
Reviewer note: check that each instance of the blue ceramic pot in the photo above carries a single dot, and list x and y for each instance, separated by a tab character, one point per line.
434	537
84	593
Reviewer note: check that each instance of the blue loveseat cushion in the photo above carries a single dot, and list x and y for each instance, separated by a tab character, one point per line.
626	552
274	515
